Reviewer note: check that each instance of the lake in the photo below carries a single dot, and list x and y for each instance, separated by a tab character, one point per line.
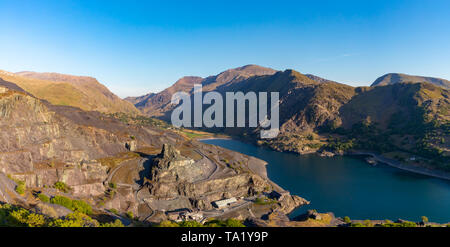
348	186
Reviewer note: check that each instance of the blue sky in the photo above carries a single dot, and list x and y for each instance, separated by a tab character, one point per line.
136	47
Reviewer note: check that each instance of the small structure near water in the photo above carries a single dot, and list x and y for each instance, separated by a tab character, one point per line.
371	161
225	202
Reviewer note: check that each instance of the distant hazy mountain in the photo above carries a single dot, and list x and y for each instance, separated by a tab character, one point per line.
159	105
83	92
393	78
139	99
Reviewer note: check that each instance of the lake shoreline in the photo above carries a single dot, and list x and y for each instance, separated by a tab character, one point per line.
401	166
379	158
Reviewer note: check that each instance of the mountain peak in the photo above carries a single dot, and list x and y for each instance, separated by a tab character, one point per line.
56	77
393	78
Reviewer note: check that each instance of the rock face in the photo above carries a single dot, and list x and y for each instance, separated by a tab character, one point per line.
84	179
291	202
41	143
52	210
7	192
170	166
131	145
172	177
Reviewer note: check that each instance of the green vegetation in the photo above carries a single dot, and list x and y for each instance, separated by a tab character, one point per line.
43	198
20	217
116	223
402	224
21	187
347	220
339	145
74	205
387	223
224	223
368	223
210	223
114	211
61	186
130	215
424	219
112	185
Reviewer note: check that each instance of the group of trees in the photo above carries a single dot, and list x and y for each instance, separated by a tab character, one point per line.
20	217
74	205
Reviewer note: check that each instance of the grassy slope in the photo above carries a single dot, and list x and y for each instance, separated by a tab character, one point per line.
86	96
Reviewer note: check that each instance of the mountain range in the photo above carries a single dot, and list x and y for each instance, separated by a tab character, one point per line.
400	115
69	145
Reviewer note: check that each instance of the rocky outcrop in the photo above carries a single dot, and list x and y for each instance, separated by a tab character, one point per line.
41	143
84	180
171	177
7	186
52	210
290	202
170	166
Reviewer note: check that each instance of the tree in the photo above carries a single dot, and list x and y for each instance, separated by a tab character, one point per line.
347	220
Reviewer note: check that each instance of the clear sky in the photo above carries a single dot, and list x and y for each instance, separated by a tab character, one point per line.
136	47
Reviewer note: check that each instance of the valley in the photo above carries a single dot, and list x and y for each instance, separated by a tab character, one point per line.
97	160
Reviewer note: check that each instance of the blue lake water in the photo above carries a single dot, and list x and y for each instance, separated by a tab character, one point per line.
348	186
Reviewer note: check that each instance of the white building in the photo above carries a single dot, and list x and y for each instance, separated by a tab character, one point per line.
225	202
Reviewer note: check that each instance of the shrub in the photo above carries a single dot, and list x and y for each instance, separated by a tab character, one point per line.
75	219
130	215
116	223
347	220
357	225
167	223
403	224
61	186
190	224
224	223
233	223
368	223
43	198
424	219
63	201
23	217
114	211
74	205
81	206
20	188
